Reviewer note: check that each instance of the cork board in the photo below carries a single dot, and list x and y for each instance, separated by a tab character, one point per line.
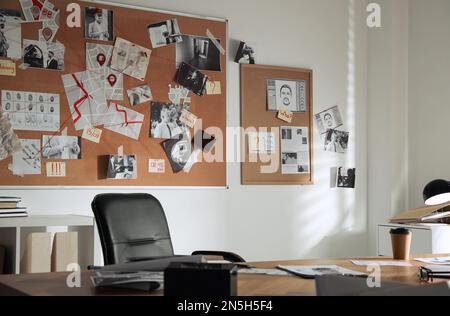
255	114
131	24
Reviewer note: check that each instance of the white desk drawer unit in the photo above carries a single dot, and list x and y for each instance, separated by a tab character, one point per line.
426	238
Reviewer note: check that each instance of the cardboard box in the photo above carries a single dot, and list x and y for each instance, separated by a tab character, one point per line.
65	251
37	253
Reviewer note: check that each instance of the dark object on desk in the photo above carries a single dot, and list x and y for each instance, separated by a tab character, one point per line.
134	226
194	279
401	243
154	265
2	259
428	274
139	281
437	192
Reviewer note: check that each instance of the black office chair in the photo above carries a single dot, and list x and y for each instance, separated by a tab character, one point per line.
133	227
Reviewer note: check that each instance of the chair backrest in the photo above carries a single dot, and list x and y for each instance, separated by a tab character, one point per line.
131	226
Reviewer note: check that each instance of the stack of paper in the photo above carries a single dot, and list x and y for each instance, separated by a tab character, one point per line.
9	207
426	214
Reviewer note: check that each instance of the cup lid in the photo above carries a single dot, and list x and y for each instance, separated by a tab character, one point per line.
400	231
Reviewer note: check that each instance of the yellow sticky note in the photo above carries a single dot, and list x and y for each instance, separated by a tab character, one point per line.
285	115
7	68
56	169
93	134
156	166
213	87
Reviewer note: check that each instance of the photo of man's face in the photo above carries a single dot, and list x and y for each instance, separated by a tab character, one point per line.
328	120
286	95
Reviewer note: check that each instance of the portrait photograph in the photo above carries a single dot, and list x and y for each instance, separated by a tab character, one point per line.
98	24
328	119
286	93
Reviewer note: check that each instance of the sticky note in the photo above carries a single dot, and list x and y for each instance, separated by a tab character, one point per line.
92	134
156	166
285	115
7	68
213	87
188	118
56	169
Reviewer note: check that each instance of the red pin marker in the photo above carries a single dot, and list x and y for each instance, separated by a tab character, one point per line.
101	58
112	80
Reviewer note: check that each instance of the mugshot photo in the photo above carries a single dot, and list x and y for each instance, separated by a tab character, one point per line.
122	167
61	147
290	94
98	24
165	33
329	119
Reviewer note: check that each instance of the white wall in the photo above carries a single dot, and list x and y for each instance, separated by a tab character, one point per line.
429	95
263	223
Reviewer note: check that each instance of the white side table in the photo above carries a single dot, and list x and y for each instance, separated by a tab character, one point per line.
426	238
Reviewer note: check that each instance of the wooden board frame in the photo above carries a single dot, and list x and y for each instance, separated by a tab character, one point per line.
161	72
254	113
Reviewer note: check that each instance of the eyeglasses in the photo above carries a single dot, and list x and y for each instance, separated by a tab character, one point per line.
427	275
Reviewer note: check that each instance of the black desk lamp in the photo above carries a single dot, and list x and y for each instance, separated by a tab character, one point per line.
437	192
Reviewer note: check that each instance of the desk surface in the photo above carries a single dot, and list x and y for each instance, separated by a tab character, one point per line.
54	284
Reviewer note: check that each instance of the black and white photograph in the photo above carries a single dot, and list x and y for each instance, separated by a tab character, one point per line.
336	141
346	177
290	94
139	95
61	147
165	33
10	34
98	24
200	52
192	79
43	55
245	54
294	150
329	119
178	152
122	167
165	120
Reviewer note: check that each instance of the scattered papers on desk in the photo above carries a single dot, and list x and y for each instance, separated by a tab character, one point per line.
437	260
124	121
381	263
86	96
111	278
313	271
263	271
98	57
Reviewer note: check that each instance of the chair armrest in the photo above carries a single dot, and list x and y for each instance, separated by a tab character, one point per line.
138	259
229	256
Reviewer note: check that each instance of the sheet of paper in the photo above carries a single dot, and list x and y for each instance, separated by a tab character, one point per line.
92	134
28	160
285	115
124	121
261	142
9	142
11	37
31	111
188	118
86	96
130	59
56	169
98	57
213	87
156	166
263	271
7	68
294	150
437	260
381	263
177	94
32	9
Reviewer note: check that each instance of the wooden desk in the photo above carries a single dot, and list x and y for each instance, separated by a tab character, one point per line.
54	284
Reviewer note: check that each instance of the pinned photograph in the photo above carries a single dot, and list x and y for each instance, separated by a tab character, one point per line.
9	142
192	79
44	55
32	9
329	119
178	152
61	147
290	94
130	59
294	150
28	160
98	24
10	34
346	177
166	120
245	54
140	95
336	141
122	167
199	52
165	33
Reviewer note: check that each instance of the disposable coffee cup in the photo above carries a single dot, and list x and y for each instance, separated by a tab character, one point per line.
401	243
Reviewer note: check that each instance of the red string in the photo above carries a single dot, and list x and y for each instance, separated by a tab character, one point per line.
126	116
80	101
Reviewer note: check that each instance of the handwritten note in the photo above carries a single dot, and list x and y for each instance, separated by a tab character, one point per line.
213	87
56	169
156	166
92	134
188	118
285	115
7	68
